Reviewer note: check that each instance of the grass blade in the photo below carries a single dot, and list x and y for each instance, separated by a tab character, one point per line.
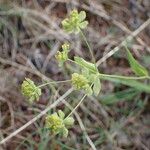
136	67
124	95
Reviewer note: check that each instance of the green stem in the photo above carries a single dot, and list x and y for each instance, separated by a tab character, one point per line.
77	106
78	103
72	61
92	55
124	77
53	82
118	76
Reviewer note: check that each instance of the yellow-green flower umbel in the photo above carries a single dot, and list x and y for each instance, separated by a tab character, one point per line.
79	81
30	90
63	55
58	124
75	22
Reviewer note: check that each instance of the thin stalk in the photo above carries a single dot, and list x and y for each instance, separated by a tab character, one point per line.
118	76
72	61
92	55
53	82
77	105
124	77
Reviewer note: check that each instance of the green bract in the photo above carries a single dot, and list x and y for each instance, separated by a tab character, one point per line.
58	124
63	55
75	22
30	90
90	72
87	65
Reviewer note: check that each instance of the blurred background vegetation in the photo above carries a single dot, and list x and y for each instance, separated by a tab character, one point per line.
30	36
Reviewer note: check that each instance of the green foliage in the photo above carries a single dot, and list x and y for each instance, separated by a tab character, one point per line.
129	82
87	65
30	90
90	71
58	124
124	95
136	67
75	22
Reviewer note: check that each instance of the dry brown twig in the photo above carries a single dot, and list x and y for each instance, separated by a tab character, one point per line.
128	38
21	67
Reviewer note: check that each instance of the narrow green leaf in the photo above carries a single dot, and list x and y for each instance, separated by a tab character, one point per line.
97	86
136	67
80	61
132	83
124	95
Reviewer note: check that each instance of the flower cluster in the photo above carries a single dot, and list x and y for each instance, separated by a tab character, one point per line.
75	22
30	90
79	81
58	124
63	55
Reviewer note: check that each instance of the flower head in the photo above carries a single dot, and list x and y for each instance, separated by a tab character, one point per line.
30	90
63	55
58	124
75	22
79	81
55	123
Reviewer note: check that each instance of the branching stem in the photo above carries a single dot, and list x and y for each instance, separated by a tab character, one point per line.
118	76
124	77
54	82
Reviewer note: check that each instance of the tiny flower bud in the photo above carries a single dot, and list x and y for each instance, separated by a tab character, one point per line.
63	55
65	47
30	90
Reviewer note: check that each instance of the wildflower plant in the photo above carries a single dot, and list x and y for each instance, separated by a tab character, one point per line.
87	78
